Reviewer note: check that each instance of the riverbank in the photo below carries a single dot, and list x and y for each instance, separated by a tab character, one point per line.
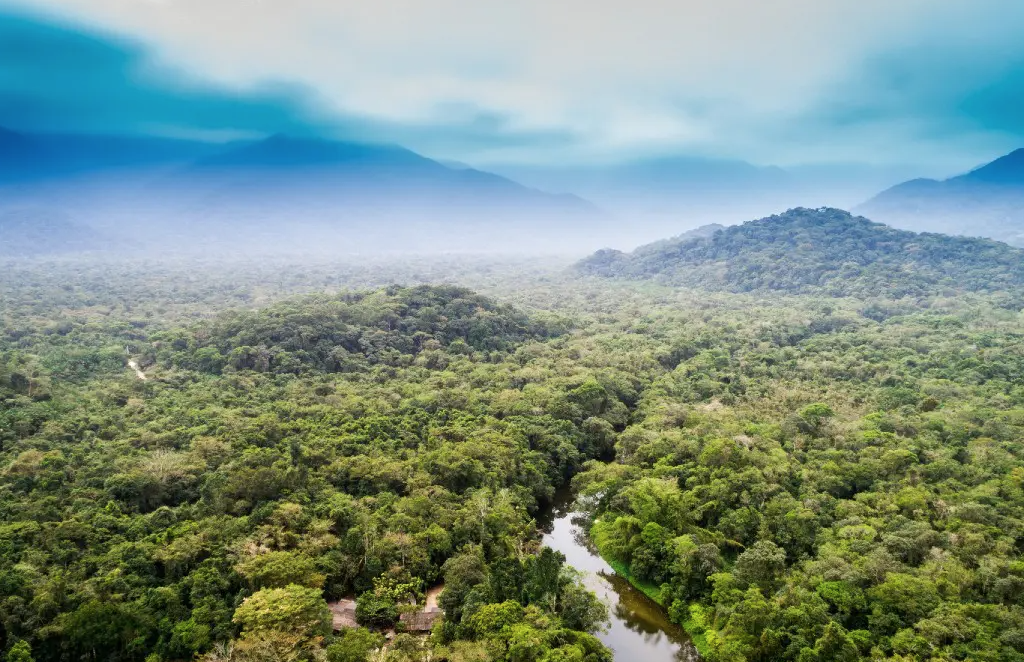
653	592
638	628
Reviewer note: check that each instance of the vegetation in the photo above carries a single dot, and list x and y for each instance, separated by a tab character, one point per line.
819	251
795	476
846	494
279	459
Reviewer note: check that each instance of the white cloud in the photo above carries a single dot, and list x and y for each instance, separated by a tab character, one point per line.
716	76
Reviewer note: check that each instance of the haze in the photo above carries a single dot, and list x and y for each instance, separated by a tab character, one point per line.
655	119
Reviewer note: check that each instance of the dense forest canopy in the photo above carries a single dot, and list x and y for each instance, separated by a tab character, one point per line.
349	444
819	251
792	476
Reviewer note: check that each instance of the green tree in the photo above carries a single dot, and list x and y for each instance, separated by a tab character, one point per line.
20	652
762	564
354	645
296	611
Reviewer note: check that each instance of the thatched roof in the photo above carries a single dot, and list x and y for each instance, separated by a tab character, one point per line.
421	621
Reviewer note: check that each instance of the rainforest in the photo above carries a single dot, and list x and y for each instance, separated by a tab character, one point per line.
203	461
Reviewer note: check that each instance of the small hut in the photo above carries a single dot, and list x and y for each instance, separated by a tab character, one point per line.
420	621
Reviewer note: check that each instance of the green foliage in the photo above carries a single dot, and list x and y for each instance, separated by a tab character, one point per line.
379	608
795	477
812	507
761	565
820	251
354	645
293	609
351	332
20	652
277	569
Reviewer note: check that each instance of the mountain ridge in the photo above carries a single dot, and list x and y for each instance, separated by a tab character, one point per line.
987	201
824	250
281	191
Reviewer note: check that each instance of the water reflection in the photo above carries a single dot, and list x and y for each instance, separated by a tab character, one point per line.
640	629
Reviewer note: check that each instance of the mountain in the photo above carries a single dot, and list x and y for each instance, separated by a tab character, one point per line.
30	157
827	251
283	193
307	193
987	201
1004	171
351	172
662	195
664	188
29	232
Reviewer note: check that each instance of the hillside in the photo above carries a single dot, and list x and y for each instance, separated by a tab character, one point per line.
231	483
353	331
827	251
988	202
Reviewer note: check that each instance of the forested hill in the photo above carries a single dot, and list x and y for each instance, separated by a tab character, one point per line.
370	444
826	251
352	331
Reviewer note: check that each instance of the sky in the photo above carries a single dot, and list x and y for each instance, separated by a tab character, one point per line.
936	84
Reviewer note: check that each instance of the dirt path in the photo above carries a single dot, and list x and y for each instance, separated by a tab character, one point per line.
134	365
431	598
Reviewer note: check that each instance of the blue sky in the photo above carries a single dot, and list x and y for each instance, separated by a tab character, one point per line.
934	83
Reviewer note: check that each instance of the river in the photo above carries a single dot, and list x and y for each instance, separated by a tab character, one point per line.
639	629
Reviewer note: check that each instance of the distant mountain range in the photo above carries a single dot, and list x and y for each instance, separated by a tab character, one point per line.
31	158
668	194
826	251
986	202
284	167
302	193
313	194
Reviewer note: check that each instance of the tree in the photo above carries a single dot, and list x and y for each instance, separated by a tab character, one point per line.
20	652
354	645
462	573
298	613
277	569
762	564
375	610
834	645
543	573
815	416
580	608
381	607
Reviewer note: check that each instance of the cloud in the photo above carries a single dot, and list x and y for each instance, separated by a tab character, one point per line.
785	81
59	76
56	78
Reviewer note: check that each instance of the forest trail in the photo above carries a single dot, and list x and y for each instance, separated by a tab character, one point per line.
134	365
431	598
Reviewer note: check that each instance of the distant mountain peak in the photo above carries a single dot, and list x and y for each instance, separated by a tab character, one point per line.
987	201
1007	169
283	150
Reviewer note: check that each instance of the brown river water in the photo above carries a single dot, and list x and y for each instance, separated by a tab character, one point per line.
640	629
